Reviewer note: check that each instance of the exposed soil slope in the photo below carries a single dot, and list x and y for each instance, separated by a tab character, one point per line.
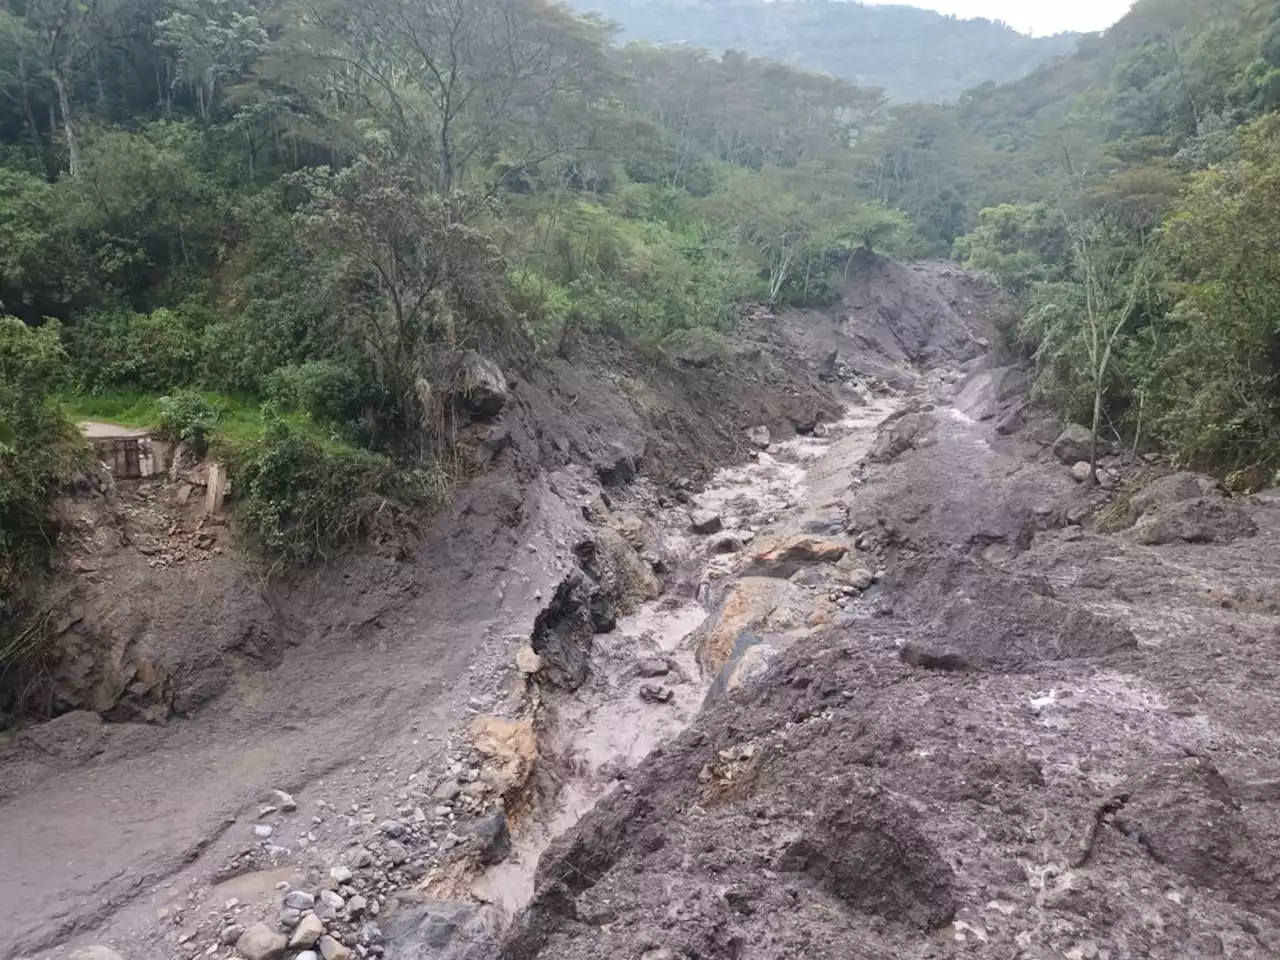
345	685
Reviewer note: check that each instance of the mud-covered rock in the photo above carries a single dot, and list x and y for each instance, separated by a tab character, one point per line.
705	522
564	633
261	942
1204	520
868	852
1183	815
440	930
1174	488
1074	444
492	838
979	617
748	661
987	393
510	751
902	434
1082	471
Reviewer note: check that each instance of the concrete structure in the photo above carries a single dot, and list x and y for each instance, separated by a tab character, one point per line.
128	453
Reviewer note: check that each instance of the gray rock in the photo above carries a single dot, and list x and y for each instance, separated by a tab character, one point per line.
299	900
1081	472
1204	520
357	906
481	386
262	830
392	828
493	839
230	934
289	918
283	800
759	436
1174	488
704	521
360	857
308	933
653	668
1074	444
261	942
370	932
448	790
655	693
395	852
726	544
341	873
330	905
331	949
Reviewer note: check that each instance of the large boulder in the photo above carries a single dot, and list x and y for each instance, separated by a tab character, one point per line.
480	385
1174	488
980	618
753	604
564	633
784	556
1203	520
898	436
987	393
1074	444
261	942
868	852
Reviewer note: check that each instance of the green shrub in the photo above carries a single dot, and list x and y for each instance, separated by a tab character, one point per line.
323	389
39	453
189	416
302	499
116	347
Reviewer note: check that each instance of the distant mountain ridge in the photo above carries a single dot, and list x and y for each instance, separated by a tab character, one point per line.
912	54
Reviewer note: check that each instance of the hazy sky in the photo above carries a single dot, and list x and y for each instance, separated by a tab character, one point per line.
1036	16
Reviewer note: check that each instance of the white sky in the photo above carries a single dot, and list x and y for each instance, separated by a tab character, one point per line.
1035	16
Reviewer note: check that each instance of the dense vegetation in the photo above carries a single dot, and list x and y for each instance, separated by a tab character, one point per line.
1128	195
275	228
914	55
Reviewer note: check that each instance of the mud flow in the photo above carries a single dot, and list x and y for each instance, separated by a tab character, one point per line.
594	737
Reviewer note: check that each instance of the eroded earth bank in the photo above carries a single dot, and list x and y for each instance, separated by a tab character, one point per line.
816	651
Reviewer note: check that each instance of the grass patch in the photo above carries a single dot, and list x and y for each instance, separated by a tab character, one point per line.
241	421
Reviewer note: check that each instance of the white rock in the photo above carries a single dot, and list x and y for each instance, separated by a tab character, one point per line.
284	801
299	900
309	931
263	830
260	942
341	873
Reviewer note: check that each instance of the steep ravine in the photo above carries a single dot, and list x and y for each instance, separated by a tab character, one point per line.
1047	731
597	734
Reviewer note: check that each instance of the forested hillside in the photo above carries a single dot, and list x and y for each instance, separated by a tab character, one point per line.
1128	195
912	54
275	230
